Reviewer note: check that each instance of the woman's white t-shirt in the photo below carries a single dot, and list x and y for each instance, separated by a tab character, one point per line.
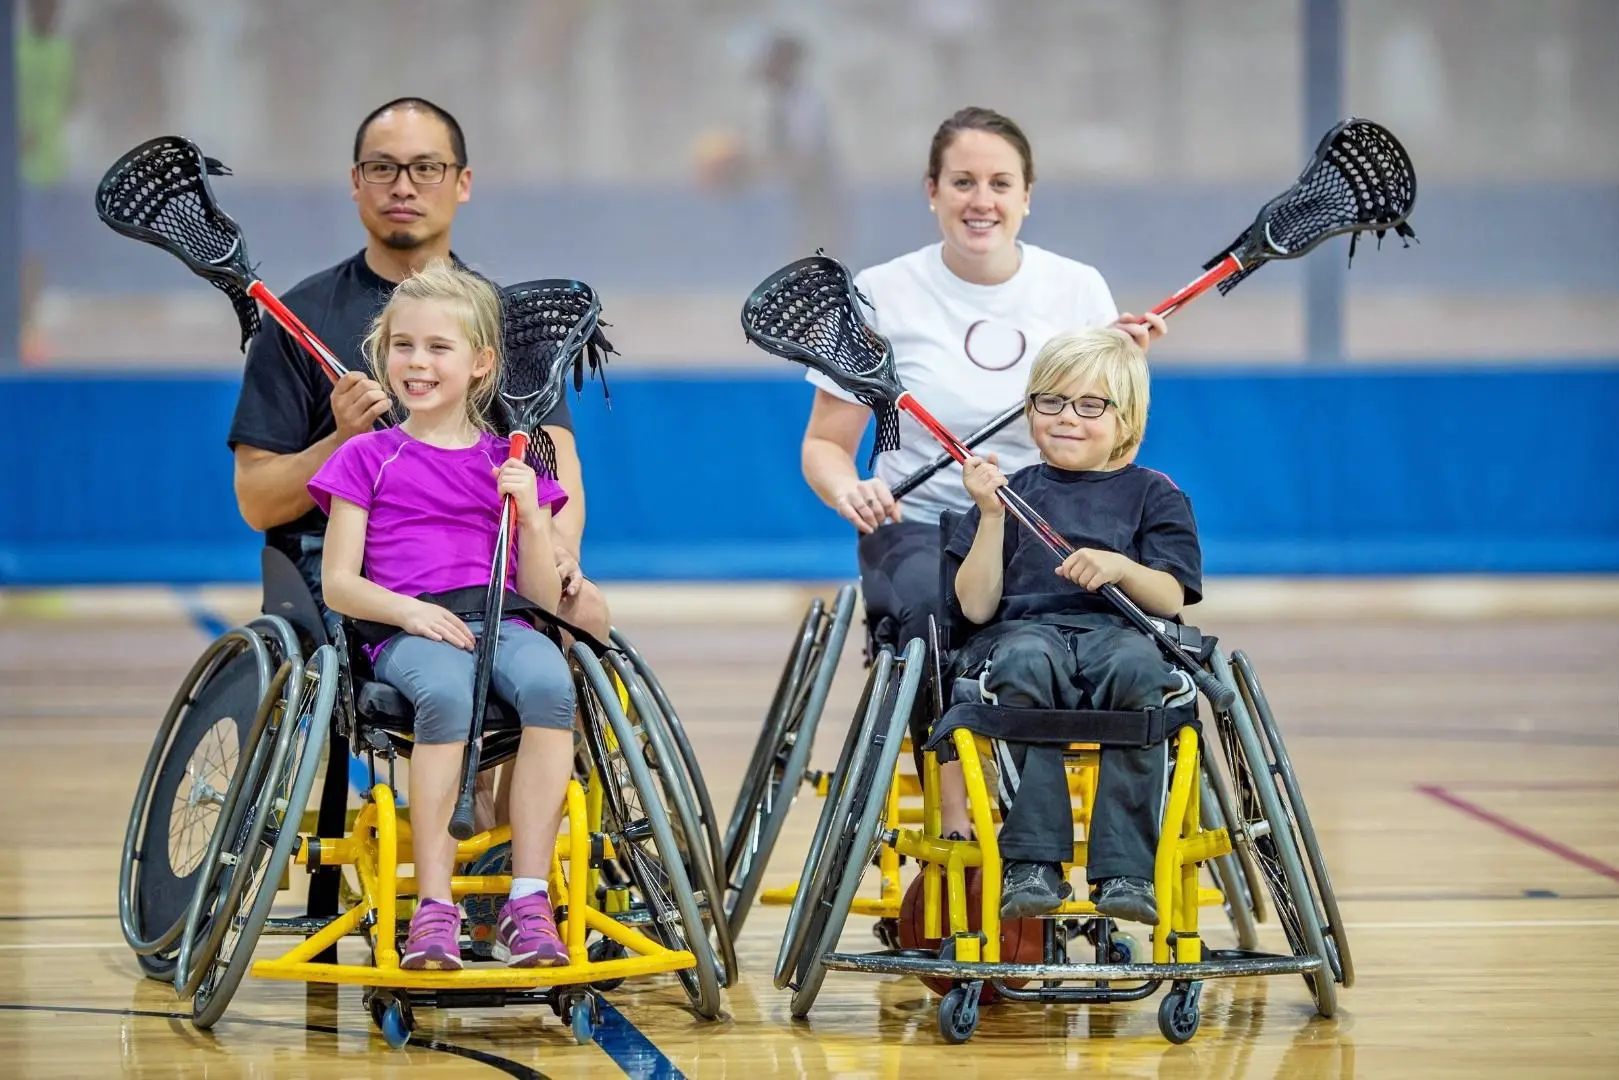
965	350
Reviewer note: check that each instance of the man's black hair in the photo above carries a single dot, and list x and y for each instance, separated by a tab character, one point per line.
458	141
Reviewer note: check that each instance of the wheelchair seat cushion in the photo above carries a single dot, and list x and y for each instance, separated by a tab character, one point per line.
1060	727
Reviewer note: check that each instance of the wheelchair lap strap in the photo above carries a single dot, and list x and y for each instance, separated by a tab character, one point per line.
1139	728
469	604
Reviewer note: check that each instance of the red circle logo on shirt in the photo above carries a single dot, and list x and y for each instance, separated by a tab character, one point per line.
994	346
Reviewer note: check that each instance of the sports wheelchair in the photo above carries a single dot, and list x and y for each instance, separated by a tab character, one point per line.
1253	807
219	816
786	740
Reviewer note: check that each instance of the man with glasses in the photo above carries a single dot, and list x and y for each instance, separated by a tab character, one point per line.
409	177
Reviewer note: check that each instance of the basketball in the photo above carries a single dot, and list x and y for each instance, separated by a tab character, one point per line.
1022	940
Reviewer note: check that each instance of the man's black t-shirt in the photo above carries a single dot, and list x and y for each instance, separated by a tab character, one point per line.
285	406
1136	512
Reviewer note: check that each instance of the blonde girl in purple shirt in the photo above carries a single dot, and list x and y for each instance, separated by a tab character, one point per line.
414	511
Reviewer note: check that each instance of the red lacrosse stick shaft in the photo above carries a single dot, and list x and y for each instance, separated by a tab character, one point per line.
508	518
1222	270
291	324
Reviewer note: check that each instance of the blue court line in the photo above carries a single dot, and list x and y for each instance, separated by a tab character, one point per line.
630	1049
202	616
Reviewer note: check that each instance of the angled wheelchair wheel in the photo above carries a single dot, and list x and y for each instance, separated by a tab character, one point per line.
1263	824
688	757
781	757
836	809
1281	766
199	744
645	850
1228	873
268	834
680	804
849	851
201	933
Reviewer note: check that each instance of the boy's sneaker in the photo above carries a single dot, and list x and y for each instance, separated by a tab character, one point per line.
434	942
1030	889
527	934
1127	898
483	910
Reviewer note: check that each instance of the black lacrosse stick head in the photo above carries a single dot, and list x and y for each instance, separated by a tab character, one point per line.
809	312
1359	180
159	193
549	327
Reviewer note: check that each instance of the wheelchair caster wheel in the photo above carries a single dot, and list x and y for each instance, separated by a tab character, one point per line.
1124	949
958	1014
393	1018
1178	1015
601	951
582	1020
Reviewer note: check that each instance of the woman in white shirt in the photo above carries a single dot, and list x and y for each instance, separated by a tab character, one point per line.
966	317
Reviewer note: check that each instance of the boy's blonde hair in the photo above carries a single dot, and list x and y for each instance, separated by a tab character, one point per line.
477	305
1107	358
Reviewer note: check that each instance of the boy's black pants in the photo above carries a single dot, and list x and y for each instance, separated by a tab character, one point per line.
1104	666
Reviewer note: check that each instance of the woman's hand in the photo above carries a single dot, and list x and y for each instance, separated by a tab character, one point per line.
516	478
866	504
431	621
1091	569
1145	329
982	477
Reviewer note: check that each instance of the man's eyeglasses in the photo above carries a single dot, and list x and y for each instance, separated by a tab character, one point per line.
1087	407
420	172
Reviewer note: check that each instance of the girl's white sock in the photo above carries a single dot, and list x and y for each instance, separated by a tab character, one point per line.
527	886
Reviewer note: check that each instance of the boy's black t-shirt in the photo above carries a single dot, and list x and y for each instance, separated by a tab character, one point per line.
285	405
1136	512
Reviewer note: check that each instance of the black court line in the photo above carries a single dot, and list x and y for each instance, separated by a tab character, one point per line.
55	918
511	1068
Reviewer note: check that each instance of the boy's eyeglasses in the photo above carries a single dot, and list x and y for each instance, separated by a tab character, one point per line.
1087	407
420	172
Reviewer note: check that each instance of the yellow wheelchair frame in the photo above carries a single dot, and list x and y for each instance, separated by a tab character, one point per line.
379	842
857	828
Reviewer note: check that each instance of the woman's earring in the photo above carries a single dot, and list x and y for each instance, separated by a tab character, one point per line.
931	210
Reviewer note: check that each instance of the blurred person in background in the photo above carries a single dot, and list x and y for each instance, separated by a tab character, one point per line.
46	94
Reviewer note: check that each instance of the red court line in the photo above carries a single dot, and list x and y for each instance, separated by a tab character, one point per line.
1512	828
1532	785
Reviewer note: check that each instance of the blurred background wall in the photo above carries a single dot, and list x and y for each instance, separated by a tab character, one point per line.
630	144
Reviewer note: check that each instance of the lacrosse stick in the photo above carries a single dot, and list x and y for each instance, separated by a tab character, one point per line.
934	467
547	328
159	193
808	312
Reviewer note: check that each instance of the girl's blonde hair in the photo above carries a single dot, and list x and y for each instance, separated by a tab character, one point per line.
1108	359
477	305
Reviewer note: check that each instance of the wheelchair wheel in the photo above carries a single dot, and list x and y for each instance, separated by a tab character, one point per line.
849	853
194	756
1228	875
681	808
781	756
201	932
835	810
1281	766
1262	822
643	841
688	757
268	835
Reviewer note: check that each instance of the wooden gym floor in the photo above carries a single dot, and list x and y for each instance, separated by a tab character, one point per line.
1463	773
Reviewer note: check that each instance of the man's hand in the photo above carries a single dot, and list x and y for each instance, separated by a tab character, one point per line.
357	403
568	571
